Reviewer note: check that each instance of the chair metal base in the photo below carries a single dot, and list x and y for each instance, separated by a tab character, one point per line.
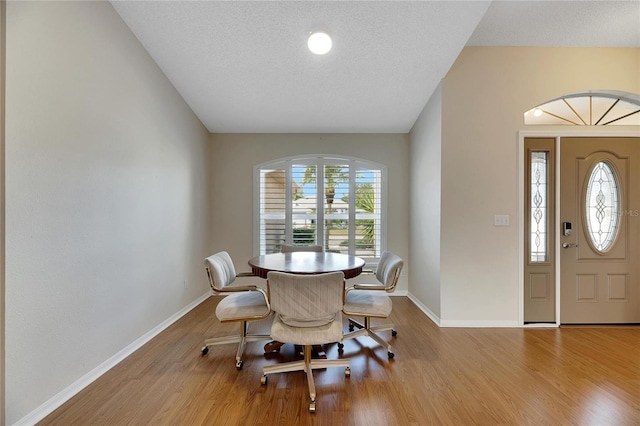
307	365
365	329
241	339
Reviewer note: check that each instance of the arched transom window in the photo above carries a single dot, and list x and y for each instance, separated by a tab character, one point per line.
593	108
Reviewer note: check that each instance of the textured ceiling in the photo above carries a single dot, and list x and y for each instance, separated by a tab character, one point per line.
560	24
244	67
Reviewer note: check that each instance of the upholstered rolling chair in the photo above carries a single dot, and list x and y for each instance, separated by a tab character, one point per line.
242	303
308	312
371	301
286	248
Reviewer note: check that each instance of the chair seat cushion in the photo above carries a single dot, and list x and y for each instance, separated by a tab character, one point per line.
239	306
331	332
374	303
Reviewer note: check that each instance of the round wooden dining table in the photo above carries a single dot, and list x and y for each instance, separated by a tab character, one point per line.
304	262
301	262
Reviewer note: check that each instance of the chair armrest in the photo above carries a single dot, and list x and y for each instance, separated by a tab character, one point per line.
240	287
266	299
236	288
368	287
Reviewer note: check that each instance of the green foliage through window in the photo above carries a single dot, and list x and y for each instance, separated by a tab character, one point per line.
336	203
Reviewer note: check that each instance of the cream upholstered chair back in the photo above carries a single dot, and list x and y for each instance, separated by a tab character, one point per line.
286	248
306	300
220	271
308	312
388	270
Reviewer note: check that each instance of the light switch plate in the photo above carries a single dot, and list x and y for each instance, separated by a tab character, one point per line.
501	220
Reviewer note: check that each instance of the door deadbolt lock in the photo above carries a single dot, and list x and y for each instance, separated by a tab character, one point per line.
569	245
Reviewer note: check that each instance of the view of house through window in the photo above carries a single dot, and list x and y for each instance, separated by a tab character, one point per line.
333	202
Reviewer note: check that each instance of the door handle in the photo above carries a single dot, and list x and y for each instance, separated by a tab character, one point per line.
569	245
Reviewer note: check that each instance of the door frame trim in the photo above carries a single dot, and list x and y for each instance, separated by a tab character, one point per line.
628	131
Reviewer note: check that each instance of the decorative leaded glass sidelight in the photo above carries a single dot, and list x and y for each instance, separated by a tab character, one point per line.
539	207
602	206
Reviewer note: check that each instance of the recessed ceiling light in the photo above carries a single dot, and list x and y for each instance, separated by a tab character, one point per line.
319	43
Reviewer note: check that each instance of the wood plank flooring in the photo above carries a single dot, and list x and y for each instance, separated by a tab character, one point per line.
440	376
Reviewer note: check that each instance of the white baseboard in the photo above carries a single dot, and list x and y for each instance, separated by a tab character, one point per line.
542	325
63	396
428	312
460	323
479	324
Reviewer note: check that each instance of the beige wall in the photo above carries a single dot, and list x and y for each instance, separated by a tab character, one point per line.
3	40
483	98
106	197
234	156
425	206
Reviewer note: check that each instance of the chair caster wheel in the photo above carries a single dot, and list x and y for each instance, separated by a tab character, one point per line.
340	347
205	350
264	380
391	355
347	372
272	347
394	333
351	327
312	407
239	365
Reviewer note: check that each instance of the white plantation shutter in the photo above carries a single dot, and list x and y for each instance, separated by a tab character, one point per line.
337	203
368	214
272	209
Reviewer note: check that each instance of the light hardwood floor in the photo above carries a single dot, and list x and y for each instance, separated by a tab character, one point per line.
440	376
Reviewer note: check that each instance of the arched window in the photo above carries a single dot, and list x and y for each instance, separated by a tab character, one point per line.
338	203
592	108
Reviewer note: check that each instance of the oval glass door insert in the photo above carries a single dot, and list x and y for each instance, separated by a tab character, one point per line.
602	206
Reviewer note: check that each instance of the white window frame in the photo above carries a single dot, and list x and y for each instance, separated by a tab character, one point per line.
320	161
